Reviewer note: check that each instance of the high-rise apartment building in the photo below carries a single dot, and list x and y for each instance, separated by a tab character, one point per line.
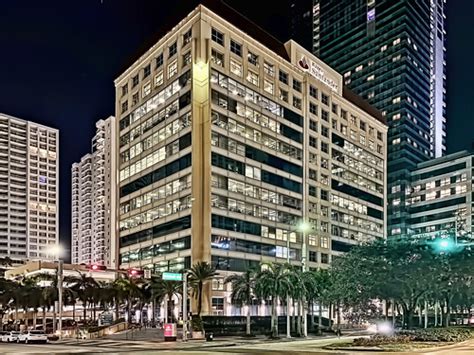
93	201
392	53
228	139
29	189
440	197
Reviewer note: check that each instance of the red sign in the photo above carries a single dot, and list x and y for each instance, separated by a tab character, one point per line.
170	330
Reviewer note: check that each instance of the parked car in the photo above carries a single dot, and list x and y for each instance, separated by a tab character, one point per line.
32	336
10	337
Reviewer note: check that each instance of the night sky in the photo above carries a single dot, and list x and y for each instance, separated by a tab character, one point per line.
58	60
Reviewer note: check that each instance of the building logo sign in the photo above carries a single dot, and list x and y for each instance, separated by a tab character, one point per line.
315	70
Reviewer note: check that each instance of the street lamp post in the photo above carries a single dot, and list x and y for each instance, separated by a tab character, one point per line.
288	328
185	306
304	228
60	297
56	252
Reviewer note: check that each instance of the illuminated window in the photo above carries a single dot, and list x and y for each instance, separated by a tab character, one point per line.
235	68
268	86
159	79
252	77
146	89
172	69
217	57
268	69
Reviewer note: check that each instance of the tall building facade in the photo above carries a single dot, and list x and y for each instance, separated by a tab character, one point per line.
440	197
29	188
228	140
392	53
93	201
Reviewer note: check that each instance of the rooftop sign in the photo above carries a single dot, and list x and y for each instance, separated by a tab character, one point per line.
317	71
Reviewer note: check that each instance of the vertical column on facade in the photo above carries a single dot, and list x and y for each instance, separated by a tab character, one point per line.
201	154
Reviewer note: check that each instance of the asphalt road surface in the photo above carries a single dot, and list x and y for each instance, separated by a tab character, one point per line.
113	347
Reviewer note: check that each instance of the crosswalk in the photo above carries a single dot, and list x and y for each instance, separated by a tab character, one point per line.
105	343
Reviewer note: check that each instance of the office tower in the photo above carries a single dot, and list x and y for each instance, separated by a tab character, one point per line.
29	189
228	140
93	201
392	53
301	22
440	196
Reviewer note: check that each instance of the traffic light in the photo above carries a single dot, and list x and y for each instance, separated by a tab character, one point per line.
96	267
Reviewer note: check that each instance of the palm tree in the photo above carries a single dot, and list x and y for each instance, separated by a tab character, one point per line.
84	287
273	282
309	280
199	274
127	288
161	289
243	286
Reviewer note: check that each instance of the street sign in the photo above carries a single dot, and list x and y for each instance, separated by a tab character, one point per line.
172	276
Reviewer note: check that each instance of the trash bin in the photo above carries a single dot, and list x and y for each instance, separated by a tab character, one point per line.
209	336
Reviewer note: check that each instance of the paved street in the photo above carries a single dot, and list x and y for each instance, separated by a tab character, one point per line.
312	346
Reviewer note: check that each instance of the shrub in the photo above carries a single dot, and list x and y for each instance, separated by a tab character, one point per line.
196	324
440	334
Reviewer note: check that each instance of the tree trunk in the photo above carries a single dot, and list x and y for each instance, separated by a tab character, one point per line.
338	315
200	287
293	317
407	315
298	318
274	319
436	313
420	320
312	315
129	310
84	310
16	318
447	318
44	319
94	305
116	309
247	324
320	318
74	312
35	312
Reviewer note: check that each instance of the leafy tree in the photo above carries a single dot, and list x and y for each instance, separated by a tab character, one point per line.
243	286
199	274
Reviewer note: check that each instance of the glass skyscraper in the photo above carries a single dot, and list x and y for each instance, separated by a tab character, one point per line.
392	53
